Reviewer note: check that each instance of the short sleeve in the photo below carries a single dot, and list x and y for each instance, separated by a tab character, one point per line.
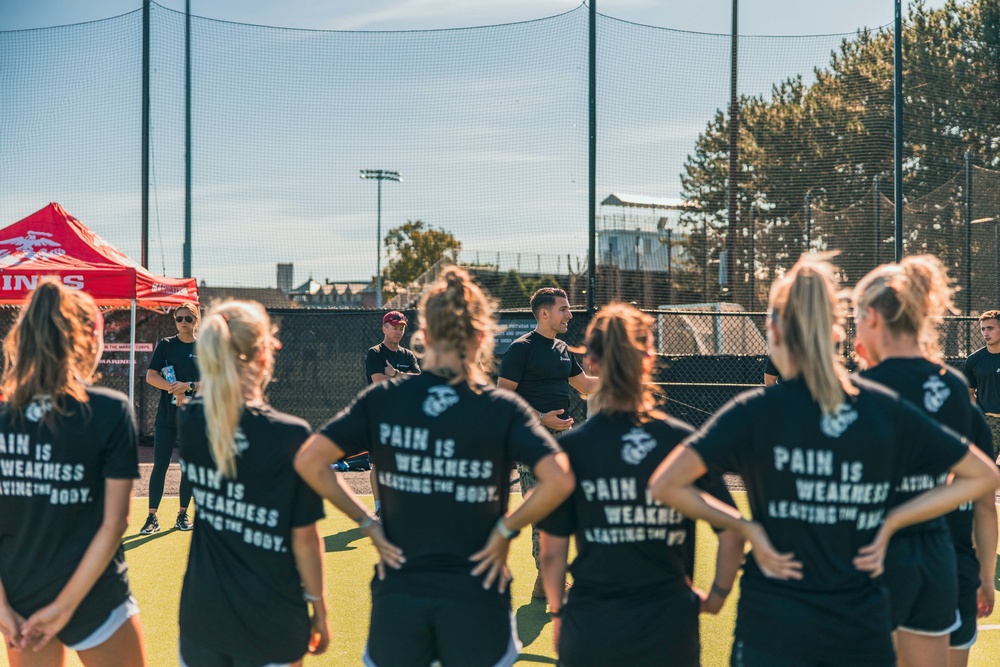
969	371
527	440
307	506
349	429
575	367
159	358
770	368
513	362
562	521
720	441
373	364
930	446
121	455
413	362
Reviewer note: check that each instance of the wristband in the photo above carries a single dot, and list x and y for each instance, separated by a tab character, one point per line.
311	598
720	591
504	531
365	521
556	613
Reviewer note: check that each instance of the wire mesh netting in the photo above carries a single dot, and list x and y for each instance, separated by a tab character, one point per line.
488	128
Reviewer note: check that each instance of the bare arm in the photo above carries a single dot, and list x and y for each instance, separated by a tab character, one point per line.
312	463
49	620
509	385
972	396
984	532
309	563
10	620
770	379
555	484
728	560
585	384
974	476
553	558
673	485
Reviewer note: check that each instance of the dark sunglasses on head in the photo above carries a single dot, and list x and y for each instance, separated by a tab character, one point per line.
185	318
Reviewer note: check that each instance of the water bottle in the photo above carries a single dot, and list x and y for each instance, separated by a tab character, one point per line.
170	376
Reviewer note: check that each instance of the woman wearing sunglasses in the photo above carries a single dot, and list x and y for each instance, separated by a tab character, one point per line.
174	371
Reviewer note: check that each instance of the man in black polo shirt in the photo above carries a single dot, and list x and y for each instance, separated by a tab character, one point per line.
387	360
540	368
982	370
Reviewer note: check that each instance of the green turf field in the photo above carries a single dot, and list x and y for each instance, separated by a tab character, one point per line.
156	566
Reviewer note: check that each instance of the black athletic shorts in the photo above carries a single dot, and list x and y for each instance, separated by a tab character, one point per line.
655	631
965	636
193	654
409	630
746	656
921	575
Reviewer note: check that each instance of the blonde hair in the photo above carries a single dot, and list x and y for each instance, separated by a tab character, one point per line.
909	296
805	306
52	348
235	350
458	316
619	339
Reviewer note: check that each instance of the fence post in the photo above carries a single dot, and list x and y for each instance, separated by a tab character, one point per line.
592	166
670	268
145	135
897	106
753	256
809	218
878	221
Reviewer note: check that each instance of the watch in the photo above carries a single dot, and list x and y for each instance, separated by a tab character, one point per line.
504	531
191	384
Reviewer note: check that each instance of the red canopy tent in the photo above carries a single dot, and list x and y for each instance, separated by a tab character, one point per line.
51	242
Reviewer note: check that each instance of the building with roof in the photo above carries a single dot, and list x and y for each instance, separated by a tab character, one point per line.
640	234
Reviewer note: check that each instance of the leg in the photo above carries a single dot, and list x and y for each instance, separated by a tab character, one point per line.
528	482
914	650
53	655
164	440
958	657
994	423
124	649
373	478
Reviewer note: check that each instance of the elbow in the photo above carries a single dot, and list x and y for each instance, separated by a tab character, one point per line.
565	484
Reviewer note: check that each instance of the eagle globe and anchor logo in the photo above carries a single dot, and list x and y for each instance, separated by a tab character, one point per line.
33	246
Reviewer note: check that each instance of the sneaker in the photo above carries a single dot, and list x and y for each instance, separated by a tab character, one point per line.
151	526
182	522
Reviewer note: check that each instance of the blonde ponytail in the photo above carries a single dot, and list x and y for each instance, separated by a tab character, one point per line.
234	337
619	339
806	308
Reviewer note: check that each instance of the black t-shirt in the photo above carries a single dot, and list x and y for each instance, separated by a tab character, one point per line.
52	485
627	542
944	396
960	521
242	591
541	367
173	352
770	368
982	370
443	454
820	485
401	359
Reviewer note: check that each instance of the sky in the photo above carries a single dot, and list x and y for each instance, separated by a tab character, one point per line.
487	126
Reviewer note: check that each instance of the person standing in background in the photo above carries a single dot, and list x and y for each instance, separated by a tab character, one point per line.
540	368
982	370
384	361
174	371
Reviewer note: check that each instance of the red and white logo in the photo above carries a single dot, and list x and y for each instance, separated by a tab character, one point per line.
33	245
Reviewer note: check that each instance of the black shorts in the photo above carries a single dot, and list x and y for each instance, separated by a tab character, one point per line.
409	630
747	656
652	632
965	636
193	654
922	577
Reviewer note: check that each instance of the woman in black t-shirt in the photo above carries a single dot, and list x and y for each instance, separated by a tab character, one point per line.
928	570
632	602
443	443
820	454
255	565
67	461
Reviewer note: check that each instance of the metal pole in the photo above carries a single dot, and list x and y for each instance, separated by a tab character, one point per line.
753	257
144	258
187	139
378	250
968	232
809	216
878	221
592	162
734	157
131	354
670	267
705	244
897	69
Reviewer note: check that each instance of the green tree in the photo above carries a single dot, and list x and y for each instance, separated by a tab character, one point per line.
511	292
413	248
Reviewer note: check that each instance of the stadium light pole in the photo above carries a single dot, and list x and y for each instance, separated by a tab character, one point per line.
379	175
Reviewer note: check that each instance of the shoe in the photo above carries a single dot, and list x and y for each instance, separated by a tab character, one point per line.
182	522
538	592
151	526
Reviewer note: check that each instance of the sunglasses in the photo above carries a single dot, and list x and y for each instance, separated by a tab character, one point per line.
185	318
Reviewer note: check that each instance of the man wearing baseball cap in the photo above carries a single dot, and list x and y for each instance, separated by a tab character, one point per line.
388	360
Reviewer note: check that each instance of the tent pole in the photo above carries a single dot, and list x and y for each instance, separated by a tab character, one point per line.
131	358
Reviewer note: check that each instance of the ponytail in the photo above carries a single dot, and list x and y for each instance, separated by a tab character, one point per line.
232	337
805	307
619	339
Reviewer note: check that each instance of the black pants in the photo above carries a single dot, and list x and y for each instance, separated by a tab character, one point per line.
164	442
